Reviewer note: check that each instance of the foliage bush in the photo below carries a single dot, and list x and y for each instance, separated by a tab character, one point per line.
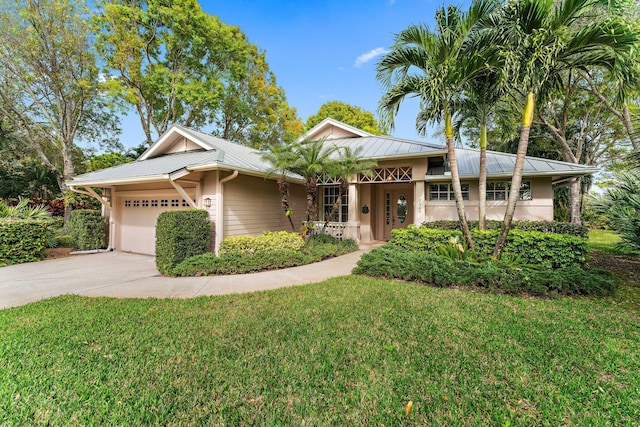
241	262
549	250
541	226
269	240
22	240
87	228
64	241
180	235
434	269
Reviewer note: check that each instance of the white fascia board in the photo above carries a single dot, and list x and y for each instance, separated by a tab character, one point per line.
159	143
119	181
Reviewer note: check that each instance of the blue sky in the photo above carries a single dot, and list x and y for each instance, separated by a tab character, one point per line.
322	50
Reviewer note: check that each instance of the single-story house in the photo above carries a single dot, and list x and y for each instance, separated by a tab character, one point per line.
410	184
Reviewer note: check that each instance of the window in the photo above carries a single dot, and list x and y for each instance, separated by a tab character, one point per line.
175	202
445	192
500	190
127	203
154	203
145	203
329	197
164	202
136	203
185	204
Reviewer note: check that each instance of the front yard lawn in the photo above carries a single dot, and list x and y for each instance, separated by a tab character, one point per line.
349	351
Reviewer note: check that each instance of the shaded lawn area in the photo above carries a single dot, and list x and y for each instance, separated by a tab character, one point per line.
348	351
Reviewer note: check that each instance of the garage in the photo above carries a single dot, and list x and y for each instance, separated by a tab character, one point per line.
138	215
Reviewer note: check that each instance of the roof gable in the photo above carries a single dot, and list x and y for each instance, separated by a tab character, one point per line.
166	143
333	129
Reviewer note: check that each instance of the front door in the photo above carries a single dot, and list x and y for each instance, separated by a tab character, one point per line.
398	209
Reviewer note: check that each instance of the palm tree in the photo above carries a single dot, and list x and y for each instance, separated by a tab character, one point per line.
435	55
312	160
539	40
480	96
349	165
281	157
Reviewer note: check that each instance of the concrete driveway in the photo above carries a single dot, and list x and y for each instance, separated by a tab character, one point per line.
124	275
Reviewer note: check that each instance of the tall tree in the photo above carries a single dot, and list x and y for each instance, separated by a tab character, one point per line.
584	129
427	64
538	41
49	81
254	110
481	95
348	114
312	160
174	63
282	158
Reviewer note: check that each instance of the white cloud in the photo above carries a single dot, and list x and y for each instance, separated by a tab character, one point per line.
392	1
366	57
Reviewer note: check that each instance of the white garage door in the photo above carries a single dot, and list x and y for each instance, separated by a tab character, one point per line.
138	216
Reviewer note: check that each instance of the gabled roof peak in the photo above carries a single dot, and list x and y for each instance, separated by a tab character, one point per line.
333	129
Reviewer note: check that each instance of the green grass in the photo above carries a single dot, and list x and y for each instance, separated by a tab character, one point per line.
349	351
606	241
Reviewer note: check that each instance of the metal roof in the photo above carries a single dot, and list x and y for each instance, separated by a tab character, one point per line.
158	167
502	164
383	147
218	153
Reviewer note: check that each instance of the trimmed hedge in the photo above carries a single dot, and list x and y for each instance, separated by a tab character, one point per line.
541	226
547	250
180	235
22	240
314	250
87	228
429	268
267	241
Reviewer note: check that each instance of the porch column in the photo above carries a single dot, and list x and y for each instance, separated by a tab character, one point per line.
419	215
352	228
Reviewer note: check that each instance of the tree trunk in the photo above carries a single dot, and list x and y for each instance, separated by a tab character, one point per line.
312	195
342	189
516	180
482	179
455	181
575	201
283	187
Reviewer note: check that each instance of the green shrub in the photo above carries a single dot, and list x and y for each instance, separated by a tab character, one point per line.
180	235
541	226
532	247
430	268
22	240
64	241
241	262
268	240
87	228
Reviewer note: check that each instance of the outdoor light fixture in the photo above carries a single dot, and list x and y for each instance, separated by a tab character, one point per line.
207	203
365	209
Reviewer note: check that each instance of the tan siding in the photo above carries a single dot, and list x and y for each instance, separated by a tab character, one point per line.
252	205
182	144
539	208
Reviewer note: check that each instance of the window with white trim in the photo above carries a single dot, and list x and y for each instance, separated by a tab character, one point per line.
500	190
445	192
164	202
154	203
127	203
329	197
136	203
145	203
175	202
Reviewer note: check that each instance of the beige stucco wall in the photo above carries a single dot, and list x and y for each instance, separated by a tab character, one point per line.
252	205
539	208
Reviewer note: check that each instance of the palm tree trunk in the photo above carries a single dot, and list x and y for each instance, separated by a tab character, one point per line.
482	179
283	187
575	202
312	195
455	181
342	189
516	180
